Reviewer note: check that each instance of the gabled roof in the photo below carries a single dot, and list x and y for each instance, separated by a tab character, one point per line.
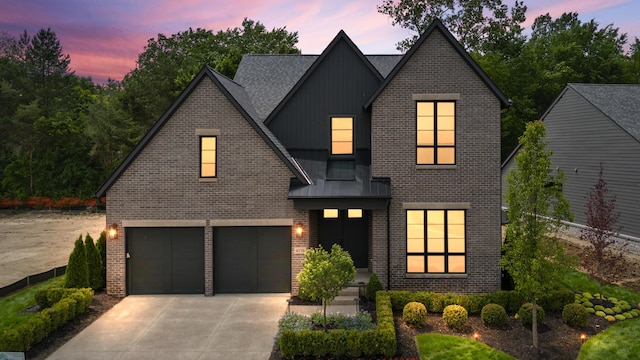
239	98
437	25
619	102
342	36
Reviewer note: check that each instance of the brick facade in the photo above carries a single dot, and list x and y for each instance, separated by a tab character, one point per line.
436	68
162	183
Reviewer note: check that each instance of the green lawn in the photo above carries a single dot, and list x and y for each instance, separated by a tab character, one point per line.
619	341
578	281
11	306
439	346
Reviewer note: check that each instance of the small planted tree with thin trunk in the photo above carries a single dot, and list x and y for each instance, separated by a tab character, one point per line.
325	274
603	258
536	210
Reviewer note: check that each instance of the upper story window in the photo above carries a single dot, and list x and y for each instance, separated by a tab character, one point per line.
436	241
436	137
342	136
208	156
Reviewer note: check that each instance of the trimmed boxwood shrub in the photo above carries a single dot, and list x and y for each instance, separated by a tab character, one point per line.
23	336
47	297
475	303
556	300
526	314
400	298
494	315
415	314
340	343
455	316
575	315
337	342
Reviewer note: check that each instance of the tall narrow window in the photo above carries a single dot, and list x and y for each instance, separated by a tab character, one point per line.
436	137
208	156
436	241
341	136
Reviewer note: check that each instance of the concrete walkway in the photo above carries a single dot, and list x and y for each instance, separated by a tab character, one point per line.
181	327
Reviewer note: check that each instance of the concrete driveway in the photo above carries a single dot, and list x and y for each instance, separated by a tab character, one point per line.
181	327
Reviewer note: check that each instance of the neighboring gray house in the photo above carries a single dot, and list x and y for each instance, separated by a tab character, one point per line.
396	158
589	124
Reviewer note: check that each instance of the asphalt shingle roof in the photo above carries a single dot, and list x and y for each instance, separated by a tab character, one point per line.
620	102
267	79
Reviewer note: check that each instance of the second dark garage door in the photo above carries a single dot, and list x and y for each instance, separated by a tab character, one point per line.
252	259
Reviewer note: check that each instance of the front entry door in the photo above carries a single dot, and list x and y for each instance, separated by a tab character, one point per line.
351	233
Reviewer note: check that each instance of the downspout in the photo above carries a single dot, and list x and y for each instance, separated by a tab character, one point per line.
388	246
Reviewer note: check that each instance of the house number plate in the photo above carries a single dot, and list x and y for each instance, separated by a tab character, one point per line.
299	250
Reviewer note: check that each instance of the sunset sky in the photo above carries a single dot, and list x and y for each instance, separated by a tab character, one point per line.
104	38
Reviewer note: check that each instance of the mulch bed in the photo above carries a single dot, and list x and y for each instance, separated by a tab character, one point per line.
556	339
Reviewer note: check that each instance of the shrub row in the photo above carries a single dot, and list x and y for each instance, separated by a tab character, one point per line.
71	304
339	342
510	300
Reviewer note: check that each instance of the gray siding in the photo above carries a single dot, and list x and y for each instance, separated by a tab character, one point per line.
581	137
339	85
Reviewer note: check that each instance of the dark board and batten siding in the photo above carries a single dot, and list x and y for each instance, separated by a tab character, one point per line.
581	137
339	86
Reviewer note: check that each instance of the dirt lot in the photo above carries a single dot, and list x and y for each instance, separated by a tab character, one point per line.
36	241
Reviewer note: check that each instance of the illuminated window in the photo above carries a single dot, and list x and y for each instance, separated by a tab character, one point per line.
330	213
436	241
341	136
208	149
436	136
354	213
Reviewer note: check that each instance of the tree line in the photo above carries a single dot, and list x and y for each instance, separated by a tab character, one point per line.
62	135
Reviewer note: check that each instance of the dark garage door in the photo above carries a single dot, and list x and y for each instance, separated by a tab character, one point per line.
252	259
165	260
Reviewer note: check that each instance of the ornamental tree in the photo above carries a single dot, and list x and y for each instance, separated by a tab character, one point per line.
325	274
536	210
603	258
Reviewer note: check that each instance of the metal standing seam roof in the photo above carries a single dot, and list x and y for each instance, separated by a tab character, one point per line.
619	102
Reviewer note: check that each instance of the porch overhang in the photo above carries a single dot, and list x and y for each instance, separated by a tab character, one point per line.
341	204
341	194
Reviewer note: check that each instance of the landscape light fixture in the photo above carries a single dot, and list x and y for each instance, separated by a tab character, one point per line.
113	231
299	230
583	338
